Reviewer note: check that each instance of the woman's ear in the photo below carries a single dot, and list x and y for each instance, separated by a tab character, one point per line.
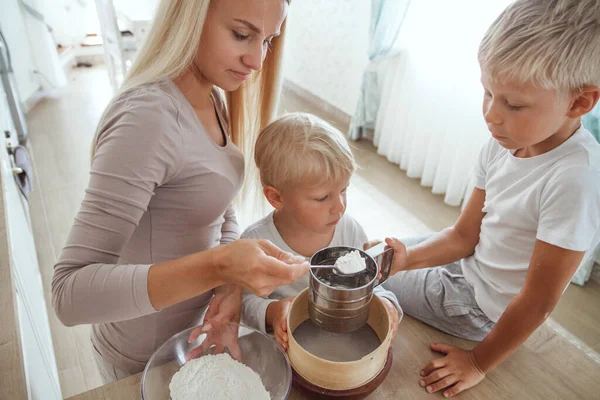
273	197
585	101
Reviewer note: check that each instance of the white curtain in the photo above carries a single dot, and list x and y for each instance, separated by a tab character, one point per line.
386	19
430	120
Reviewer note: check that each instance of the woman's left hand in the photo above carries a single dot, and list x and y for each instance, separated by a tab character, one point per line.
224	339
456	372
225	307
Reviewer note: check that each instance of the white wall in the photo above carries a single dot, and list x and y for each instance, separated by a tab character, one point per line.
137	8
326	49
31	48
14	30
68	19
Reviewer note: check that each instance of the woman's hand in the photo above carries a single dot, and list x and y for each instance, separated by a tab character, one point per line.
258	265
224	339
276	318
225	307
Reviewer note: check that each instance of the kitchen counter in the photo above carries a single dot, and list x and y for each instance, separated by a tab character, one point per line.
547	366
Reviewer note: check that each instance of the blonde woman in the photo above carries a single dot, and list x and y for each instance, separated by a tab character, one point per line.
154	238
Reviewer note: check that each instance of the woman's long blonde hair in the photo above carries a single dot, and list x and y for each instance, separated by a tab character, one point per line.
170	49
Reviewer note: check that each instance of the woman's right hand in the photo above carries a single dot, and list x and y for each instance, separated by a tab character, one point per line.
258	265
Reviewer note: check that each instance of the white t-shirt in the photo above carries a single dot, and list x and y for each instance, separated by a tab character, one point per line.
348	232
553	197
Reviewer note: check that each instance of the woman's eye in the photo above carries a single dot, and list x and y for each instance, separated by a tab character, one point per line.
239	36
269	43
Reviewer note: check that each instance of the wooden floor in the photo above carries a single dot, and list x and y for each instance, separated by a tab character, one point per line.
61	129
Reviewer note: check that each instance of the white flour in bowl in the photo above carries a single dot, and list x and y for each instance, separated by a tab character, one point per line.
217	377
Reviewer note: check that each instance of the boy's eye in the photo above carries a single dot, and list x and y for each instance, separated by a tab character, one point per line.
513	107
239	36
323	198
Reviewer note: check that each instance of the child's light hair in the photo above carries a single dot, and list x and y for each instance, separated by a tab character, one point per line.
552	44
301	148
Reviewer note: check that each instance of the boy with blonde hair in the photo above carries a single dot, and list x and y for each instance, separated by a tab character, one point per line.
535	210
305	167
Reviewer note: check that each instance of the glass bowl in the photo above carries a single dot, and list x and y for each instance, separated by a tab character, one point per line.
256	350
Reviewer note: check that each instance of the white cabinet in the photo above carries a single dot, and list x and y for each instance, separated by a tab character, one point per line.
36	340
38	357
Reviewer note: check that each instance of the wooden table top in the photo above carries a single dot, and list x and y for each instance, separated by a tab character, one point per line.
546	367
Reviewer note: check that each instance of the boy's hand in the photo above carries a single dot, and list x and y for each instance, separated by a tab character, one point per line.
276	319
393	312
370	244
456	372
400	255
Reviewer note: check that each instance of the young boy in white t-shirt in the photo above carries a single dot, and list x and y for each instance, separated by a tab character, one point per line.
535	209
305	167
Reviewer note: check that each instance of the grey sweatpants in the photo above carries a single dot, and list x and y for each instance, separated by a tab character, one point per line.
440	297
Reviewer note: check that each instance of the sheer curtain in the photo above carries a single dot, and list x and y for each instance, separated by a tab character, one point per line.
429	119
592	122
387	17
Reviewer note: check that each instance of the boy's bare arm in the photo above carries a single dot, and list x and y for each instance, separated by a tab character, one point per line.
550	271
453	243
